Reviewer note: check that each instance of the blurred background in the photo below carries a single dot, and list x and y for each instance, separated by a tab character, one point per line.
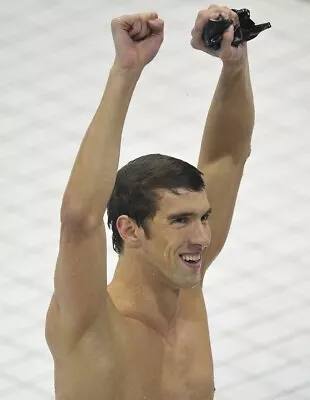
55	57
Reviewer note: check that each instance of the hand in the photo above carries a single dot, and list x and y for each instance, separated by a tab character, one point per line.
227	52
137	39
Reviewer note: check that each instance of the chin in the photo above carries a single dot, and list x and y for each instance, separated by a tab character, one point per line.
186	282
190	285
180	277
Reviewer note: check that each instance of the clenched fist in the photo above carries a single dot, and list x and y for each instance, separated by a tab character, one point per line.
137	39
227	53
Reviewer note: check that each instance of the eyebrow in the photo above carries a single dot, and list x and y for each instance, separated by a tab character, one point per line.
172	217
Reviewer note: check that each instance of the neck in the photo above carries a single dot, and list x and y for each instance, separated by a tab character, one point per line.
143	293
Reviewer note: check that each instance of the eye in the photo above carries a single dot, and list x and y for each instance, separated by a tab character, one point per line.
206	216
181	220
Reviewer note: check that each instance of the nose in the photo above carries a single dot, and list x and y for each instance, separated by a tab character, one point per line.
201	234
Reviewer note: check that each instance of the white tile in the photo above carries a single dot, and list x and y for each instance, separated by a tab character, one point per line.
260	362
279	301
26	394
234	318
228	375
290	377
229	348
299	319
291	396
304	392
5	386
268	332
251	389
295	348
8	352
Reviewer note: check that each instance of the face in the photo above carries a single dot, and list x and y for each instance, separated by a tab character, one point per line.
179	235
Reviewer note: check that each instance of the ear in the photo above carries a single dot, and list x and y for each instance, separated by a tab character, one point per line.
128	230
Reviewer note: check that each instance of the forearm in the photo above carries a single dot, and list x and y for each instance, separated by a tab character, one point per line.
230	120
93	175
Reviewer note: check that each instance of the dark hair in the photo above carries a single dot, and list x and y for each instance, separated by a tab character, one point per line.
134	190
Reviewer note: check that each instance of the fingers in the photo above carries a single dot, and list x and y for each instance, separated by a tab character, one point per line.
131	19
157	25
226	12
227	39
140	29
212	13
138	26
147	27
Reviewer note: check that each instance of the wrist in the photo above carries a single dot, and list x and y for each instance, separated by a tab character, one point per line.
232	69
130	73
238	64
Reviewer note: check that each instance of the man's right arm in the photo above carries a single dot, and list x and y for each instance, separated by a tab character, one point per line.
80	277
94	171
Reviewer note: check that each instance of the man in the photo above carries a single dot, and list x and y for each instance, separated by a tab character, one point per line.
146	336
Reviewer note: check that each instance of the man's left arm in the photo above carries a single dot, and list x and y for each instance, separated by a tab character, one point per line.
225	147
226	141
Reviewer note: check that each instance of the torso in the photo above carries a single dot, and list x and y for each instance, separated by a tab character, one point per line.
138	363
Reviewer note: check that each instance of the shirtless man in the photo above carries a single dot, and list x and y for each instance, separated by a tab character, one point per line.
146	336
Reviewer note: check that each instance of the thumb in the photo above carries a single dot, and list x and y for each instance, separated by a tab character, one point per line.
228	38
157	26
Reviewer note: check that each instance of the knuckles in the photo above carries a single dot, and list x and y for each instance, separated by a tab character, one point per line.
216	9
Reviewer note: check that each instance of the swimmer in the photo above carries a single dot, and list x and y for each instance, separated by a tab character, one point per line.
145	336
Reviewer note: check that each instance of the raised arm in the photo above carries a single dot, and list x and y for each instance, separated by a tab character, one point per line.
80	277
226	141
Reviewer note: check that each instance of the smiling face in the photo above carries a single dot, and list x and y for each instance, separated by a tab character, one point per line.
178	237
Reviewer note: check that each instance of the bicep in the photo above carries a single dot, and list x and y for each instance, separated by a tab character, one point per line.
222	177
80	276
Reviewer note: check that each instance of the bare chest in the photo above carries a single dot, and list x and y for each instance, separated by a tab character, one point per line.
180	368
136	363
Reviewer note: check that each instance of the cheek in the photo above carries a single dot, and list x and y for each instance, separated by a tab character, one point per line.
165	244
160	245
154	247
174	242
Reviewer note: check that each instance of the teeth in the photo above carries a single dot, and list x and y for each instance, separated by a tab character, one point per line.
191	257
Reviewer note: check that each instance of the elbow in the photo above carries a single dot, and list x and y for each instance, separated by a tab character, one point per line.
75	217
241	154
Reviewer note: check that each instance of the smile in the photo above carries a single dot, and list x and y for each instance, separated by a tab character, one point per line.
192	260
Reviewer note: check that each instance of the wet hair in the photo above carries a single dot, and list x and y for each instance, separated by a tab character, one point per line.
134	192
